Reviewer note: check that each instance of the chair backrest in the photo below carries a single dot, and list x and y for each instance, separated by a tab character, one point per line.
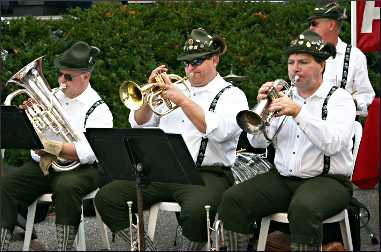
356	144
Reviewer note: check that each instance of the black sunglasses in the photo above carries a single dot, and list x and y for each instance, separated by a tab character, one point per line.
313	23
195	62
68	77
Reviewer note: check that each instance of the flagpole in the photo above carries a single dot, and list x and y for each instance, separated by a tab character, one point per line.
353	22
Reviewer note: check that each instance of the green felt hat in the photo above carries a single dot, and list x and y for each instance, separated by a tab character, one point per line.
200	44
310	42
332	11
80	56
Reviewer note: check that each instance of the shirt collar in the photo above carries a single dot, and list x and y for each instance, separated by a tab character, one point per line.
321	92
82	98
213	85
340	47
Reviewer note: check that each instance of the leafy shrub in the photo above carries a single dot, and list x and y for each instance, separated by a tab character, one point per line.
134	39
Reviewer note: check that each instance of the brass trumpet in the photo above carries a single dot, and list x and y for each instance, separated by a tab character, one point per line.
133	96
137	242
256	120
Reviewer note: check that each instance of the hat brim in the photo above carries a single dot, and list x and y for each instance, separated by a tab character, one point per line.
321	55
222	44
195	55
334	17
62	66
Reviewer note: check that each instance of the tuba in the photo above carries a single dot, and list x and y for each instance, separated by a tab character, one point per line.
218	230
256	120
133	96
46	112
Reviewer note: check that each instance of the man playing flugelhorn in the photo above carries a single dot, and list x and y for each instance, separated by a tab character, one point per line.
202	123
313	154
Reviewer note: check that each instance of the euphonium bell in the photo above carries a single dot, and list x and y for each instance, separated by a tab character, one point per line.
45	113
133	96
254	121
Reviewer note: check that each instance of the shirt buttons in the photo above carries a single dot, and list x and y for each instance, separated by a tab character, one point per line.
305	102
297	123
297	136
293	152
290	170
182	120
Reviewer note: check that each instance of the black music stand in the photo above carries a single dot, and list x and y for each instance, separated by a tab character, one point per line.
143	155
16	131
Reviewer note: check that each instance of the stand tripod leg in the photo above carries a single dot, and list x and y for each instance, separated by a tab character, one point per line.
141	244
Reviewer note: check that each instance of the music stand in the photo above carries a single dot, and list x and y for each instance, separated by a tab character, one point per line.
16	131
143	155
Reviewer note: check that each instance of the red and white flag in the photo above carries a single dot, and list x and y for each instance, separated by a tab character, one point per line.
365	23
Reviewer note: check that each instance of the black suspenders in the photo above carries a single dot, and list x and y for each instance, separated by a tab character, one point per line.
346	66
324	112
204	140
91	109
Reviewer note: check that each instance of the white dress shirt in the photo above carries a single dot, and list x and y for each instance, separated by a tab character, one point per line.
358	82
222	129
302	141
76	109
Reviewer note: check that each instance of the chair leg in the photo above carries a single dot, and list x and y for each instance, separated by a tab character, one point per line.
80	237
263	232
103	229
29	225
346	232
152	219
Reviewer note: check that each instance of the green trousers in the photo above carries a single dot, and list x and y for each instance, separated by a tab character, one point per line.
25	185
307	201
111	201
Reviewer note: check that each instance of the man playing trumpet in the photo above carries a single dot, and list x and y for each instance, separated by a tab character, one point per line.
313	154
195	121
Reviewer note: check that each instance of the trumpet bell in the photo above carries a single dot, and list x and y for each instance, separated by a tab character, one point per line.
250	121
131	95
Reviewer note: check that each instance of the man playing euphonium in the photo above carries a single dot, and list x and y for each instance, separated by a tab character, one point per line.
84	109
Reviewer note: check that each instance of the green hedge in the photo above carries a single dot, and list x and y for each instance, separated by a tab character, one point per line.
135	38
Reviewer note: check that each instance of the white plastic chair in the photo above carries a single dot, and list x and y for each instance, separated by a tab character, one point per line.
80	242
154	211
341	217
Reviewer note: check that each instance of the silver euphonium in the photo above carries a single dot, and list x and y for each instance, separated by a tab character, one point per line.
256	120
45	112
218	230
